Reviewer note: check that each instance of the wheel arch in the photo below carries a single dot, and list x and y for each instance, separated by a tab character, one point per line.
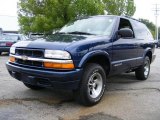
99	57
149	54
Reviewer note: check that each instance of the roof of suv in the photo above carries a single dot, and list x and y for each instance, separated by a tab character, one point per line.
127	17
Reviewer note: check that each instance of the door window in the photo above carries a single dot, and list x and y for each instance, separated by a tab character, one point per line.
124	23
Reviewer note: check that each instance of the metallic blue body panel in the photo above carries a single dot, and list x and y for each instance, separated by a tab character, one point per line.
122	54
55	79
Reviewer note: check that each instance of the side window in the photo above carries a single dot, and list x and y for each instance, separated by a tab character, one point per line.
149	34
124	23
138	29
141	31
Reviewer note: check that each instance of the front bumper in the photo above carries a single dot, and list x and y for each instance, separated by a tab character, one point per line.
46	78
4	49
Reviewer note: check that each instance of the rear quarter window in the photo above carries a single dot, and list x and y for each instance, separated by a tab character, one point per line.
141	31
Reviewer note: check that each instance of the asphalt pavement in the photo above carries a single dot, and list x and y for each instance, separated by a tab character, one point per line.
125	99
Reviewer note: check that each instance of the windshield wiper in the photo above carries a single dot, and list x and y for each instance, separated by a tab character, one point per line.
60	33
81	33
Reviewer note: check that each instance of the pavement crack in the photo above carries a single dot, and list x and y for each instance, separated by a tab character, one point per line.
93	116
49	101
157	89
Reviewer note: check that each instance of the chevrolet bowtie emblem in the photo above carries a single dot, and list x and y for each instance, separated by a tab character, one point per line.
24	58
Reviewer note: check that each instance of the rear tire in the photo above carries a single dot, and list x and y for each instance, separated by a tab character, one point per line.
143	71
92	86
33	87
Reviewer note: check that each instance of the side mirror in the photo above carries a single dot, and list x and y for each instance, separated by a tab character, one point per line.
125	33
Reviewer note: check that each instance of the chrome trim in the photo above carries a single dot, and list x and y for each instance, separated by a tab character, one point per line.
42	60
126	60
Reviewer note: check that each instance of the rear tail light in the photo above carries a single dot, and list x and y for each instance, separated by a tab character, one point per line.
9	44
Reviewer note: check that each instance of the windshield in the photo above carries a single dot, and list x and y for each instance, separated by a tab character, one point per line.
92	25
9	37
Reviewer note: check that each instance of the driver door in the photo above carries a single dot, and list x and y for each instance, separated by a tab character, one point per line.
124	50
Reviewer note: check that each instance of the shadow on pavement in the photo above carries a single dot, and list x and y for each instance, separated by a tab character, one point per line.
123	78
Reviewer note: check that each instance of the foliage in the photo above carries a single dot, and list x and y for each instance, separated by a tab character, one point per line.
43	16
120	7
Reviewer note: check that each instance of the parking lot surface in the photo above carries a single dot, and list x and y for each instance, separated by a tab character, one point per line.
125	99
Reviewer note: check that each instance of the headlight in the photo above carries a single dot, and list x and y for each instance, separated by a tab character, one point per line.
58	54
12	50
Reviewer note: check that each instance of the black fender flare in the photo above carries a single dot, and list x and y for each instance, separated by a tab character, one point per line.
91	54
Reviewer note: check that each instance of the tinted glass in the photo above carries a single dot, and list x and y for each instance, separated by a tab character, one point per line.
10	37
92	25
141	31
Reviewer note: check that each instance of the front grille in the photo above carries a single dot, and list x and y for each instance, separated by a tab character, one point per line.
29	63
34	53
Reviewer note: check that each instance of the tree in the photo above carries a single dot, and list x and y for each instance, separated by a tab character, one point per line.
149	24
45	15
120	7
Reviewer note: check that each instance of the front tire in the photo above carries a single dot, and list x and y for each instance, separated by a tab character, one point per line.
143	71
92	86
33	87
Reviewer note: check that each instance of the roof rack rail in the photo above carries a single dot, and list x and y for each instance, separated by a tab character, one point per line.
130	17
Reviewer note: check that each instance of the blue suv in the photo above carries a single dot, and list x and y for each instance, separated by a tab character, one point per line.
82	55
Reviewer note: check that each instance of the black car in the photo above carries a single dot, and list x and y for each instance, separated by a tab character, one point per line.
7	40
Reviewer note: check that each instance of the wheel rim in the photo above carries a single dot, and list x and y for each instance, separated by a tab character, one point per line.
146	69
95	85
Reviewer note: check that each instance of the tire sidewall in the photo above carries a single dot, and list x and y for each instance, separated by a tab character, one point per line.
88	75
145	61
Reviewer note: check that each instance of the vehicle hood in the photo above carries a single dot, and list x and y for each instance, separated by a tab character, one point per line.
53	42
